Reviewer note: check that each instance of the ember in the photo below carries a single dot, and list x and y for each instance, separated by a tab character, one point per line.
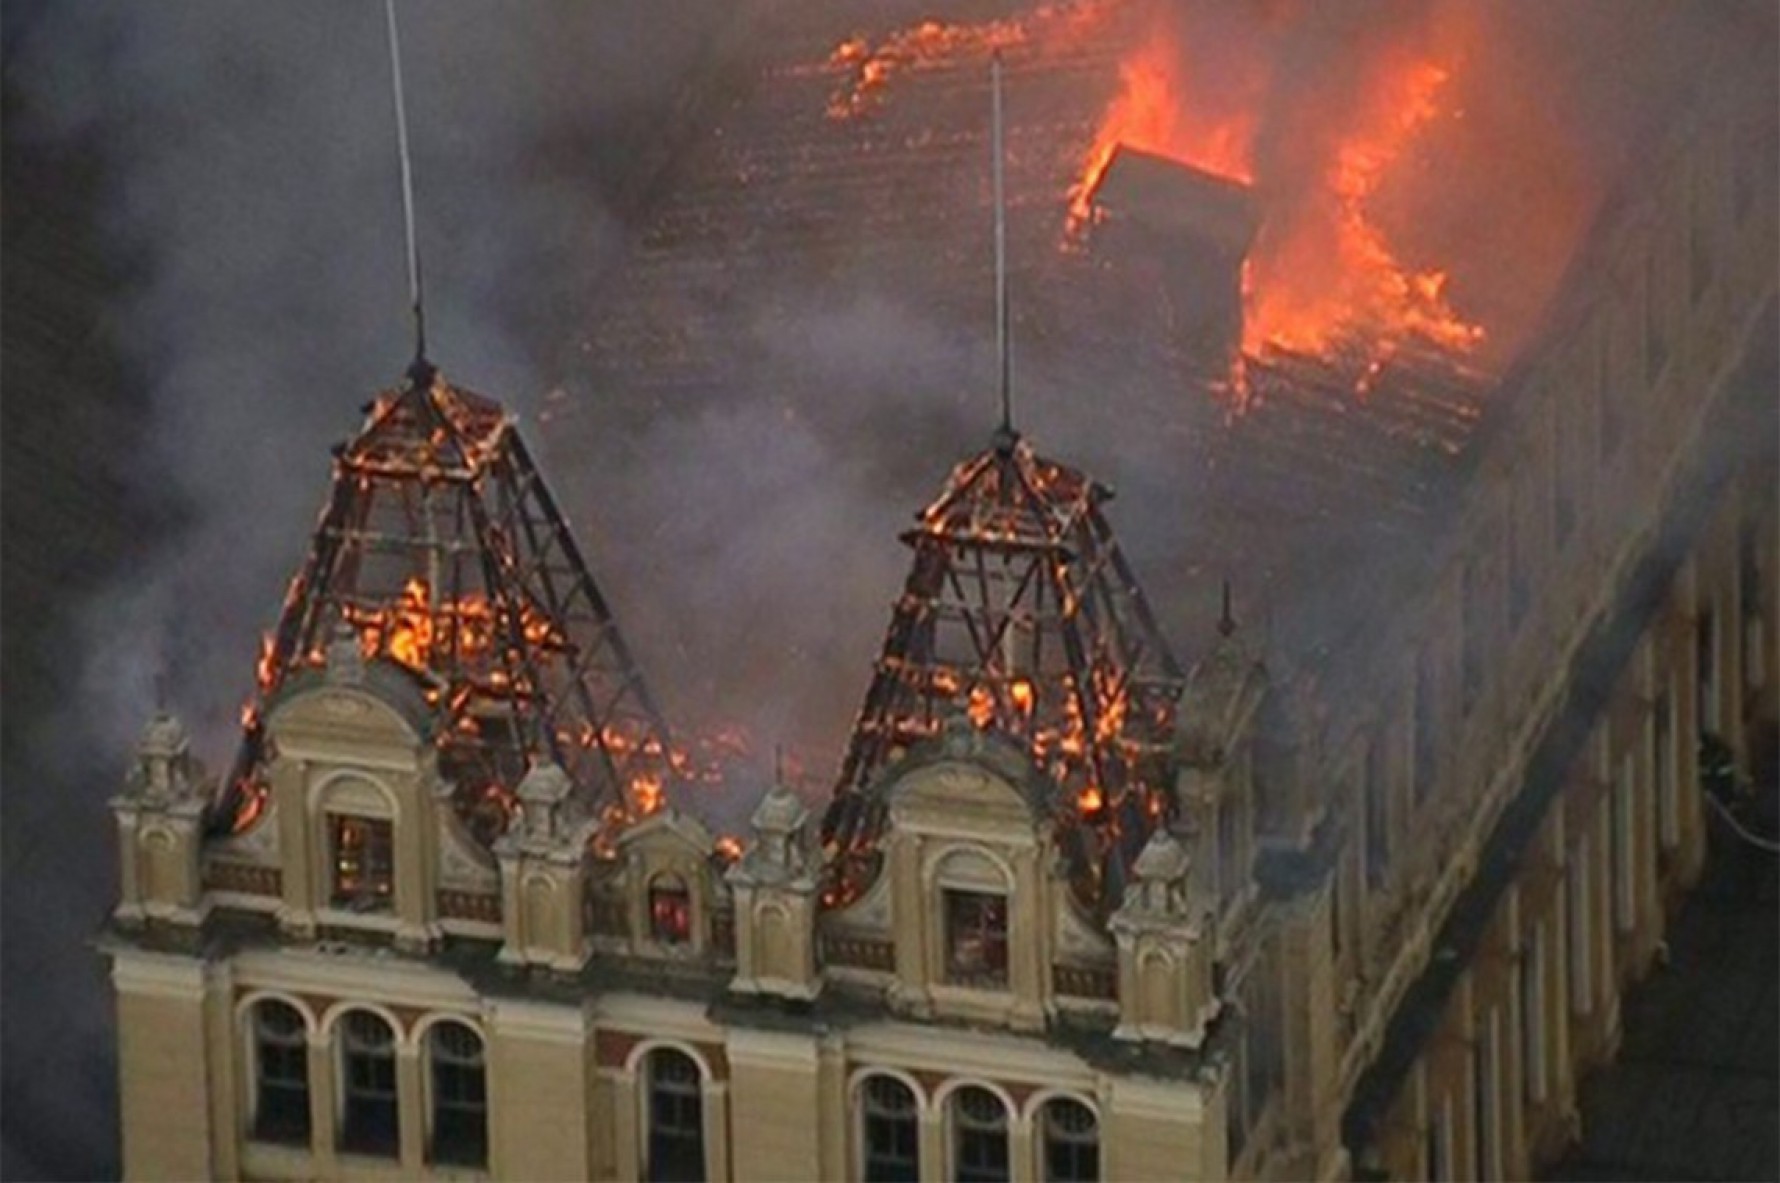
1021	614
442	552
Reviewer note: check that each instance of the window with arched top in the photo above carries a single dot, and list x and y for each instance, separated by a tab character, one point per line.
890	1131
670	909
369	1121
676	1118
1071	1136
281	1073
459	1080
979	1136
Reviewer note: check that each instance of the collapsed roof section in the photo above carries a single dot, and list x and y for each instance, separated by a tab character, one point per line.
441	551
1021	612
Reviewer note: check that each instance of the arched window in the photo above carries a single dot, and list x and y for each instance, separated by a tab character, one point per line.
460	1096
368	1086
890	1131
979	1137
1071	1142
676	1118
670	909
281	1074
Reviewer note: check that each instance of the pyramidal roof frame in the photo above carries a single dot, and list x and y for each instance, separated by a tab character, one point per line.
442	551
1020	612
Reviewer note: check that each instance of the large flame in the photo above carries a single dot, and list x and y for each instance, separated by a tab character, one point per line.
1148	114
1327	272
1323	275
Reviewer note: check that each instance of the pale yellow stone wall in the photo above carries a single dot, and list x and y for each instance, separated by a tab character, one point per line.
775	1107
1143	1146
539	1092
164	1085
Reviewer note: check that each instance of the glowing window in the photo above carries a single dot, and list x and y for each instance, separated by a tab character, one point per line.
979	1137
976	938
368	1081
670	910
281	1071
362	853
460	1096
892	1135
1071	1142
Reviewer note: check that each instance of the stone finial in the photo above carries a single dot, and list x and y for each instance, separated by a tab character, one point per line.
959	736
345	656
778	824
164	760
543	793
1159	875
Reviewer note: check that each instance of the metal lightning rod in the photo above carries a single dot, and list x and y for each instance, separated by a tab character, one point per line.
1003	345
415	291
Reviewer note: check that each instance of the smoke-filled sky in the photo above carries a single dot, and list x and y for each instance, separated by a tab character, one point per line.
248	187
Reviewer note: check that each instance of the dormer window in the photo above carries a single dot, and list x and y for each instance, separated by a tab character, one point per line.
362	857
976	938
670	909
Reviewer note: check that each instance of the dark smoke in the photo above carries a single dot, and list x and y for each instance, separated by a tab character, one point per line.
249	196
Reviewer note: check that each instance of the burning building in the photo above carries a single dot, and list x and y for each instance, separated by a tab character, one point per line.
1326	849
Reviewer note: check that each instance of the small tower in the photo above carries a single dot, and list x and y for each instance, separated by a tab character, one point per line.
1165	954
160	818
775	901
543	870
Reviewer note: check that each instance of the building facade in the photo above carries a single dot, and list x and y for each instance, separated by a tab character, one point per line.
1373	922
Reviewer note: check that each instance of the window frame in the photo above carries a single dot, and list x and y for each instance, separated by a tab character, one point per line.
669	903
988	926
689	1096
376	894
472	1150
1051	1140
361	1132
301	1130
891	1167
962	1125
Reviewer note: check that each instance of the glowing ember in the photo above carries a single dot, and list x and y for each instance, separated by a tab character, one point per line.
646	794
868	68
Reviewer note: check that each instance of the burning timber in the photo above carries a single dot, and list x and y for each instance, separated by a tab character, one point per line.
442	550
1020	616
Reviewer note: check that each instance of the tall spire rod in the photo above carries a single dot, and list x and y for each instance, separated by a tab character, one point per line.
1003	346
415	291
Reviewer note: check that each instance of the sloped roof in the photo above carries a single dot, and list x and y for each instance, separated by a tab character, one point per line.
780	207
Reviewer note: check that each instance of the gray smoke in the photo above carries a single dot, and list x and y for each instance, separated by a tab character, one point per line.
744	535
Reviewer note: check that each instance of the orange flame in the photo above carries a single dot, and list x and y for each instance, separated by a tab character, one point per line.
1331	272
1149	115
1322	274
646	793
868	68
